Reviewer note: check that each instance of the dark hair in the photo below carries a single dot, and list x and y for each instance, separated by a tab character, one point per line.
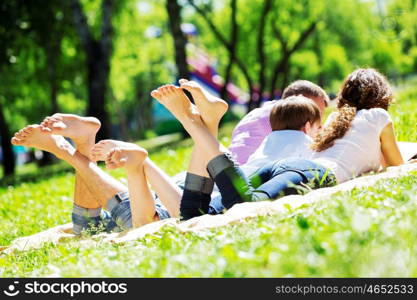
305	88
363	89
293	113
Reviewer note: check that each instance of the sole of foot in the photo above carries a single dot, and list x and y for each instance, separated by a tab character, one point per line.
211	108
81	130
174	99
100	150
35	136
129	158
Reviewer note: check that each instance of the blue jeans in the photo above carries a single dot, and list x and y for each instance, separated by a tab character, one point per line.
117	217
276	179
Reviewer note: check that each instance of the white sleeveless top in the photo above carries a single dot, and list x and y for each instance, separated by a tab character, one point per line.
359	150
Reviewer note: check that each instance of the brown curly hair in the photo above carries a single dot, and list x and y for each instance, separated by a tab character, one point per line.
363	89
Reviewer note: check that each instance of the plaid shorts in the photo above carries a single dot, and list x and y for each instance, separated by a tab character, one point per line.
117	217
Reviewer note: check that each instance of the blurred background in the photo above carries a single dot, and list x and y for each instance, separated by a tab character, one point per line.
103	57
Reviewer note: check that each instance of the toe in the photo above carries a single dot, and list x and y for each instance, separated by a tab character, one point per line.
156	94
45	129
170	89
110	165
15	141
116	157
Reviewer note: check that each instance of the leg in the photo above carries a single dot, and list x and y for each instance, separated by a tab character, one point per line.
88	126
288	177
232	183
169	193
189	116
142	203
97	181
82	130
198	185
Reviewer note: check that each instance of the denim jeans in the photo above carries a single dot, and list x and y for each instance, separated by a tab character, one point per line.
116	217
276	179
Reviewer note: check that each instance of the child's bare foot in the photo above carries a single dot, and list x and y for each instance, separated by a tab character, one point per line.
82	130
37	137
129	157
212	108
174	99
100	150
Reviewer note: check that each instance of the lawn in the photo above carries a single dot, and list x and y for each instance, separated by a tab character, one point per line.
365	232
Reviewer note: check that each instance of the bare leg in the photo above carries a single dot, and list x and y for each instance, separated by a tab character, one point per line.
178	104
82	195
98	182
233	185
61	123
141	199
212	110
169	193
82	130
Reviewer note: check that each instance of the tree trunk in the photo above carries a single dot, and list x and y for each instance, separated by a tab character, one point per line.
232	50
261	48
283	63
229	47
319	54
98	54
6	146
180	41
98	74
279	70
53	54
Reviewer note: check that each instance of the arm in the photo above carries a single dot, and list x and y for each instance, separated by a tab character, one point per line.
389	147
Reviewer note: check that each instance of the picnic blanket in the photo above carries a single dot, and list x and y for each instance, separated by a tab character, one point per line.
238	213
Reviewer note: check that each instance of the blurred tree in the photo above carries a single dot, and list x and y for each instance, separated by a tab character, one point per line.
234	35
8	33
143	58
98	53
230	45
50	24
253	54
180	41
6	146
399	28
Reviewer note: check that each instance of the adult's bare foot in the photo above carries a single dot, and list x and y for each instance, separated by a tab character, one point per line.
82	130
211	108
100	150
129	157
174	99
37	137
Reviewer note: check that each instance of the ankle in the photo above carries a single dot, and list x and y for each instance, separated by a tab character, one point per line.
85	148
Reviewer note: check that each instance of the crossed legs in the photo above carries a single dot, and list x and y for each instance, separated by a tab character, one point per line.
94	187
209	153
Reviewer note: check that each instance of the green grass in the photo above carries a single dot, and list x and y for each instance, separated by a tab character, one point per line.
365	232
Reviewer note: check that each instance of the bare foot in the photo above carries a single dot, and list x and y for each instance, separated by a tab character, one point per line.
82	130
212	108
37	137
100	150
174	99
129	157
